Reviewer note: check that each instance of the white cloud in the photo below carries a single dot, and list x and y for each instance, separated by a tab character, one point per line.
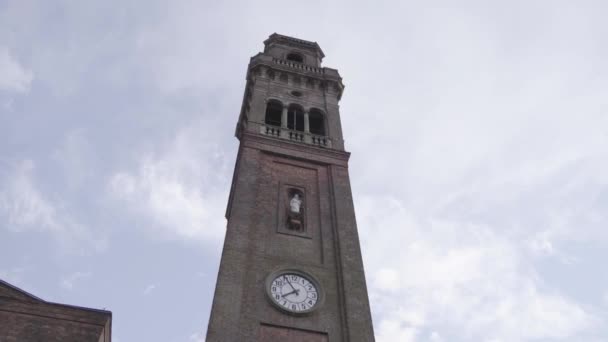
14	77
149	289
457	275
541	244
487	155
23	207
22	204
182	189
395	330
68	282
436	337
197	337
387	279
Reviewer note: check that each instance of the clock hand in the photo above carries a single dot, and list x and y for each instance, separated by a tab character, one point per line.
288	282
292	292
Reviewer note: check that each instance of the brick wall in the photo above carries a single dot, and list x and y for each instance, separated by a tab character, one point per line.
24	318
271	333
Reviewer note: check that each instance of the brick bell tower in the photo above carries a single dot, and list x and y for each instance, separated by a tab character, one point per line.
291	268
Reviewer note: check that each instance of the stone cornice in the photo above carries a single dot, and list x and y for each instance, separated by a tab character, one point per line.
295	150
272	63
295	42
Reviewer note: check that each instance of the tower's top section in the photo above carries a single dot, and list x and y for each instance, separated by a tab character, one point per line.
294	49
290	97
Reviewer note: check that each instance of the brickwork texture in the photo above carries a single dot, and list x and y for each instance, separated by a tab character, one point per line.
26	318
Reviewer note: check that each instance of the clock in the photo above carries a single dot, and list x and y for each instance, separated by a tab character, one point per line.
294	291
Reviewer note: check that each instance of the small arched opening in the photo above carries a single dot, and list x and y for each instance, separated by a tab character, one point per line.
295	57
273	113
316	121
295	118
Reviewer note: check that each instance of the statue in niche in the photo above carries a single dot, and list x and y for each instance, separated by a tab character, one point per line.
295	216
295	203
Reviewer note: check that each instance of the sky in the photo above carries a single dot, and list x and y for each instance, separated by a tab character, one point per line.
479	167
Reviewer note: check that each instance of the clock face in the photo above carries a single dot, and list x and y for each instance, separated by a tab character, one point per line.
293	291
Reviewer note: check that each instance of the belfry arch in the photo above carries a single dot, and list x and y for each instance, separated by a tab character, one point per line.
316	122
274	110
295	117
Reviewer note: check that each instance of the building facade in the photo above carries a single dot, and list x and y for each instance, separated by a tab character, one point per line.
291	267
27	318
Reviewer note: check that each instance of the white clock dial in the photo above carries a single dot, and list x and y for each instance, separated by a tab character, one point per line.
294	292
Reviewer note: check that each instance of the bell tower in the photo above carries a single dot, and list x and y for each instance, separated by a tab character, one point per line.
291	267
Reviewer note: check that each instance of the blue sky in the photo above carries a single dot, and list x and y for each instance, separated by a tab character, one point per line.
479	140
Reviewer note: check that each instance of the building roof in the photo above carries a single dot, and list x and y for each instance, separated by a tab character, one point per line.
12	291
279	38
9	290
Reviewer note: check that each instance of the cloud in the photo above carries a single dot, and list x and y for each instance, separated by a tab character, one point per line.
181	189
23	207
541	244
149	289
457	276
69	281
394	330
15	78
436	337
197	337
486	163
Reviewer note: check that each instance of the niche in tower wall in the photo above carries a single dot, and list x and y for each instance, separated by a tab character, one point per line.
295	210
292	210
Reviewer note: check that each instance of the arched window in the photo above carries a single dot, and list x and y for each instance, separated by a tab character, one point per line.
295	57
273	113
295	118
316	122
